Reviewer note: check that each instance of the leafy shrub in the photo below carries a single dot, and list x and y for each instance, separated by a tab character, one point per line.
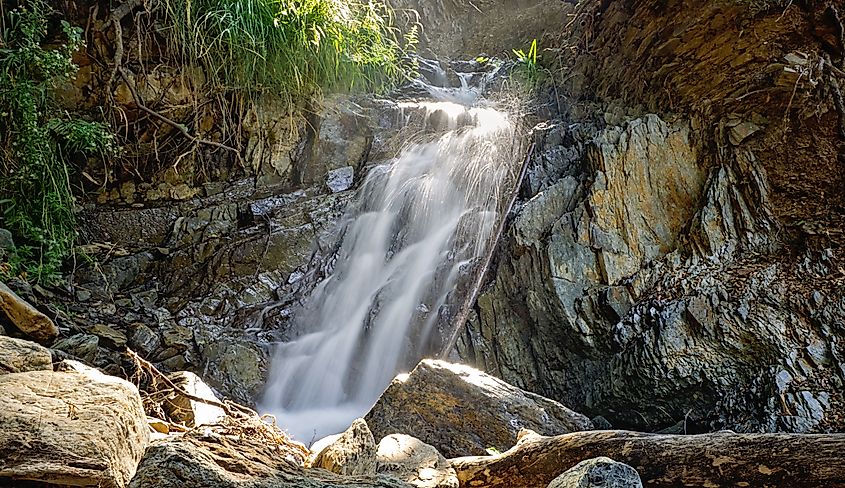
38	141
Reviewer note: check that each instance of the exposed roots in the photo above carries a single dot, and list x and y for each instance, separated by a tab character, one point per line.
240	421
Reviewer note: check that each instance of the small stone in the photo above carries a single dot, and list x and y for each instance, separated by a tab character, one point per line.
601	423
340	179
83	295
601	472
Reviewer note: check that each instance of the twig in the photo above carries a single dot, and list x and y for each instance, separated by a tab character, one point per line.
463	314
181	128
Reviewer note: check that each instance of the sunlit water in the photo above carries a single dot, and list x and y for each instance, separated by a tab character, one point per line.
418	224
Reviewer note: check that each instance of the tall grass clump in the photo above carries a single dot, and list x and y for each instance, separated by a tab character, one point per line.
287	47
38	142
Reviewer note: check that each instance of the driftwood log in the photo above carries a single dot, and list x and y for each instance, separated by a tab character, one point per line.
707	460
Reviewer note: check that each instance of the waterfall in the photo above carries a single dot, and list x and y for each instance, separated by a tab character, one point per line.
417	227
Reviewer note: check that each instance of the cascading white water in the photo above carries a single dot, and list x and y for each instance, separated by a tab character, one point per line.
418	224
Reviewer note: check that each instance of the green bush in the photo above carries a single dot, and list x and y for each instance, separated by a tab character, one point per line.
290	48
37	142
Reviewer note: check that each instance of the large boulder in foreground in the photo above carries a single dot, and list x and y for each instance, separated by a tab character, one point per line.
197	460
76	428
600	472
462	411
20	356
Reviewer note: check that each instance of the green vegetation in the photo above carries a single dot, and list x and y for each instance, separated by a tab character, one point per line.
527	67
38	142
290	48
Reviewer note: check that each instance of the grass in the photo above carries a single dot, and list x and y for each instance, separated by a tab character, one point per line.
289	48
527	66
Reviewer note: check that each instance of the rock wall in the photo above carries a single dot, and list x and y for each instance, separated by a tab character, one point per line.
676	263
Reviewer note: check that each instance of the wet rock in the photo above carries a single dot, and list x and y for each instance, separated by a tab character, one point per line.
197	461
79	428
599	472
81	346
409	459
462	411
26	317
353	453
185	410
18	356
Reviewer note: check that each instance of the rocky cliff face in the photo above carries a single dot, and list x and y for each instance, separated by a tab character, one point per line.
677	261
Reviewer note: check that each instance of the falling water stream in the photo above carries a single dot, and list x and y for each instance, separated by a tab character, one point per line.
419	223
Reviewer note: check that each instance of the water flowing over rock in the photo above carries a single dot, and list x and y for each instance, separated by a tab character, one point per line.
412	235
77	428
462	411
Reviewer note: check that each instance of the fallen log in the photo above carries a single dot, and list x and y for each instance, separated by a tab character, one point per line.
719	459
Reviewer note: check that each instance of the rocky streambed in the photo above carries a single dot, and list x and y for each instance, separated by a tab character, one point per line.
442	425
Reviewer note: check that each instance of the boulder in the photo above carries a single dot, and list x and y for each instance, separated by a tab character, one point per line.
352	454
76	428
410	459
190	412
26	317
600	472
462	411
202	461
18	356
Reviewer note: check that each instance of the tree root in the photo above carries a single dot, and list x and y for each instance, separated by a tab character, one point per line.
181	128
